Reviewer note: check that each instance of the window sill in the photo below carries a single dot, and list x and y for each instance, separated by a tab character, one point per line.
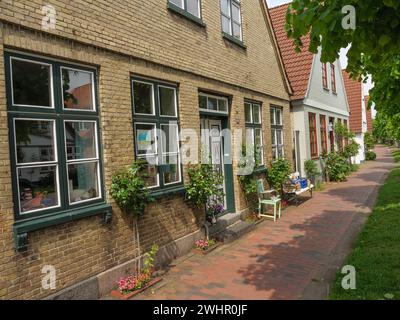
234	40
260	170
23	227
175	9
158	194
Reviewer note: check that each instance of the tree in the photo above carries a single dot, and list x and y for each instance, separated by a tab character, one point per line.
374	41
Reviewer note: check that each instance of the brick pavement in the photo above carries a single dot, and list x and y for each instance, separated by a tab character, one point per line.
282	260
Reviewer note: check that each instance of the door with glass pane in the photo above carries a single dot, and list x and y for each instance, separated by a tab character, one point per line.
212	149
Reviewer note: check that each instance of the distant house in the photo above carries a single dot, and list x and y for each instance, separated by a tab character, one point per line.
319	98
369	114
360	116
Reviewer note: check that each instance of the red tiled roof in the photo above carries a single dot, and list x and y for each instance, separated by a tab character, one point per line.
297	65
369	114
354	97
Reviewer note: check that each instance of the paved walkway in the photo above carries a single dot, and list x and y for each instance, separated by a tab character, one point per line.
294	258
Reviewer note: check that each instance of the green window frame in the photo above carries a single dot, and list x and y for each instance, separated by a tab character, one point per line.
50	184
277	134
254	130
154	143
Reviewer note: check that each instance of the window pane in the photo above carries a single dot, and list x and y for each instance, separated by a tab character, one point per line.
143	98
149	173
77	90
222	106
170	138
237	31
248	113
178	3
203	102
225	4
34	141
280	152
273	137
167	102
145	139
272	115
258	145
31	83
236	13
226	25
256	114
258	137
80	140
274	155
83	182
173	175
279	137
193	7
212	104
249	137
278	116
37	188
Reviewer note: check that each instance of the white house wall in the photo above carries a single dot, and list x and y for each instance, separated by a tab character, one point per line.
320	98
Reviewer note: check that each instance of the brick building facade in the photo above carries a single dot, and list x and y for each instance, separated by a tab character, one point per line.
163	47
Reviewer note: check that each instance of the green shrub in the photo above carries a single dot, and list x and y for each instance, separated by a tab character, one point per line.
129	189
351	149
278	173
204	183
370	156
337	166
396	155
369	141
311	169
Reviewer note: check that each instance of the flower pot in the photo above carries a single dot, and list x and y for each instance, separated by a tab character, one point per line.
205	252
117	294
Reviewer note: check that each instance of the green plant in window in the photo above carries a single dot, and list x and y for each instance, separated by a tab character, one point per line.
129	189
248	161
248	180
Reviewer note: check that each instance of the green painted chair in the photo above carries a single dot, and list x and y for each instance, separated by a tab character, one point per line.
264	198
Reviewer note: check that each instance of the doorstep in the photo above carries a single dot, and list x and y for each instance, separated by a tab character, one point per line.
230	227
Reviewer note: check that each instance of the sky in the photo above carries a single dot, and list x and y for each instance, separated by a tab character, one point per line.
343	52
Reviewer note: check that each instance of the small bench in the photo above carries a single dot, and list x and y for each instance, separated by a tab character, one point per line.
292	193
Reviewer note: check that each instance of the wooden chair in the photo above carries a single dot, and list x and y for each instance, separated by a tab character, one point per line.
265	198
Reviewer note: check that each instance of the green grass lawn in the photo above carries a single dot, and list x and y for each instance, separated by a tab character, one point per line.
396	155
376	255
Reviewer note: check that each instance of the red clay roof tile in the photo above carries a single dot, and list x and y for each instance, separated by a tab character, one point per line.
297	65
354	97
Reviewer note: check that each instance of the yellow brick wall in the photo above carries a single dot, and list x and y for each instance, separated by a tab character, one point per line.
84	248
165	37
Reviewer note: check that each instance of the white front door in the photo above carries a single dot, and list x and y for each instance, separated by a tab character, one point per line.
212	147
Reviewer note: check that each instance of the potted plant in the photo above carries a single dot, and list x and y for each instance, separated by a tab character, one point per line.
205	246
214	209
132	285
